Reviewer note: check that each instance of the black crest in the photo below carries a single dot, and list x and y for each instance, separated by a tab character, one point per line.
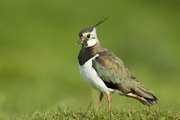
101	21
90	29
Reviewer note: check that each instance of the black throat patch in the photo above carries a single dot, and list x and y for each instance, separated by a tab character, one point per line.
85	54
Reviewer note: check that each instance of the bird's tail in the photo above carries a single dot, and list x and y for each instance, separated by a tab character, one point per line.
143	94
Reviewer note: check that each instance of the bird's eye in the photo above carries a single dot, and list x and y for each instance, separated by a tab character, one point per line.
88	36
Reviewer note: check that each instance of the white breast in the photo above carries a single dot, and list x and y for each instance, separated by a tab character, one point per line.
89	74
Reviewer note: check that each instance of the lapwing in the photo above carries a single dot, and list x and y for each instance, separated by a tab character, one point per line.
106	72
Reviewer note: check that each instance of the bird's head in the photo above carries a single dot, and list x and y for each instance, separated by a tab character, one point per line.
88	36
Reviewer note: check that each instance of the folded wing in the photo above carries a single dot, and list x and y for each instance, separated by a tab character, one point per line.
116	76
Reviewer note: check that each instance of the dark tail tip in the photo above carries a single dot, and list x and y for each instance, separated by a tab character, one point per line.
144	96
150	101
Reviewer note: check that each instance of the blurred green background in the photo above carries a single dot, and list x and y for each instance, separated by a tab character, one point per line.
38	54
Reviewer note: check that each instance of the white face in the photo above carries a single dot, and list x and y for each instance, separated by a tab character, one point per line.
89	39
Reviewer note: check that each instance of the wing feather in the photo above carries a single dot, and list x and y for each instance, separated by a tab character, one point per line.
112	70
116	76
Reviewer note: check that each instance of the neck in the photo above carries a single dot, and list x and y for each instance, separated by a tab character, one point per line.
87	53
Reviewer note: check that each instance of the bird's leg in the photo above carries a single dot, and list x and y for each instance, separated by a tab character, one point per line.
109	101
99	101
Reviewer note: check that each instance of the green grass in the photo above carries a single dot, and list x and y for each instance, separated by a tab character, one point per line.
89	113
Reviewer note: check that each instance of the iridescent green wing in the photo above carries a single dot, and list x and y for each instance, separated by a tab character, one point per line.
116	76
112	71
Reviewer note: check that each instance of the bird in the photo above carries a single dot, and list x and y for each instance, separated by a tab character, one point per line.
106	72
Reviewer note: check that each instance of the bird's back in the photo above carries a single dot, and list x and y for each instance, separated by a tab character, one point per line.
116	76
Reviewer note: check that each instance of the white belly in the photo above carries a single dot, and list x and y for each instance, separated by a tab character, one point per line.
89	75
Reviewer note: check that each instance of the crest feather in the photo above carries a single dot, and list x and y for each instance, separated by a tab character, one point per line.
101	21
